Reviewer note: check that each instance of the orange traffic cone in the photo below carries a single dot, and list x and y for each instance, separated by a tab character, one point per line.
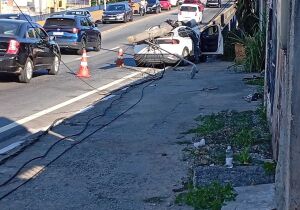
120	59
84	70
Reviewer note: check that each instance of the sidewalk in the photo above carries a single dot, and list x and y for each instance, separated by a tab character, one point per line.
136	162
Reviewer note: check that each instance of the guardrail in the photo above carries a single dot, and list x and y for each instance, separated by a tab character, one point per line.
224	17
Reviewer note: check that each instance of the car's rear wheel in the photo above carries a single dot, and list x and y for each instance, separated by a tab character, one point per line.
27	72
185	55
83	46
55	66
98	47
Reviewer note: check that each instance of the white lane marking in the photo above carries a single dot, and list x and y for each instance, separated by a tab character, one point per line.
85	109
66	103
108	97
10	147
115	48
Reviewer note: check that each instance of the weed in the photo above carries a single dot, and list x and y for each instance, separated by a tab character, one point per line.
244	156
211	196
257	81
270	167
243	138
210	124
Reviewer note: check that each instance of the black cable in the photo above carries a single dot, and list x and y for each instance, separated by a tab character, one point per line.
149	81
82	131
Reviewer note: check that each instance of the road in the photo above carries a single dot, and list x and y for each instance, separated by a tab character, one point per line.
28	108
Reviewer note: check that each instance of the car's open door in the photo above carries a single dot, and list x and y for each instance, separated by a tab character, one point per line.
212	40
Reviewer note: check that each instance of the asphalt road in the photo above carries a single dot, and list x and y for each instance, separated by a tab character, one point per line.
27	105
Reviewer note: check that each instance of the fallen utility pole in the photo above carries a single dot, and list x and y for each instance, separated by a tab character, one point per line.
152	33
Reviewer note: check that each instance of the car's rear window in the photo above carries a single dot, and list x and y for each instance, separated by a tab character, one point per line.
116	7
188	9
75	13
62	22
9	28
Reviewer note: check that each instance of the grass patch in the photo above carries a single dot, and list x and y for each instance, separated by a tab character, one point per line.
270	167
243	138
244	156
246	131
210	124
256	82
212	196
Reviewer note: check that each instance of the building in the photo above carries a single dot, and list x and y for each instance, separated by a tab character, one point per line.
6	6
283	97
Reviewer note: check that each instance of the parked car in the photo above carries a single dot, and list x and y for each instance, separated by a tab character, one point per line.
153	6
197	2
117	12
216	3
189	12
26	47
179	43
16	17
80	12
174	3
74	32
165	4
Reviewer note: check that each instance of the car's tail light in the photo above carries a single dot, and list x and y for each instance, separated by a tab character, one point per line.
75	30
175	41
196	14
168	41
180	13
13	47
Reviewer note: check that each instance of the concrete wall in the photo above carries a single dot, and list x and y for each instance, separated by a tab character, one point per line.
284	109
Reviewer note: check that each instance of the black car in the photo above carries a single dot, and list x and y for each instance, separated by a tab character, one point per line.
26	47
216	3
74	32
153	6
16	17
117	12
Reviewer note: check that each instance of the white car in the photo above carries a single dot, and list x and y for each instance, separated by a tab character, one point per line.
173	2
188	12
178	43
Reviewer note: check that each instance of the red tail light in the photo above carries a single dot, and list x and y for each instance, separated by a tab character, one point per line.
175	41
180	13
75	30
196	14
13	47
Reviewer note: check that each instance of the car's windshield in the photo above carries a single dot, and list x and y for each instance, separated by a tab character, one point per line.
9	28
60	22
188	9
116	7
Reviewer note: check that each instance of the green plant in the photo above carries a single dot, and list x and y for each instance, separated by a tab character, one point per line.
243	138
256	81
212	196
210	124
269	167
244	156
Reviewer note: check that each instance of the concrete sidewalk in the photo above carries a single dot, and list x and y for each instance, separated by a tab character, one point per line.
134	163
259	197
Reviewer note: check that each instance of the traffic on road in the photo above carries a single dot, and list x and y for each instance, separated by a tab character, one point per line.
30	52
